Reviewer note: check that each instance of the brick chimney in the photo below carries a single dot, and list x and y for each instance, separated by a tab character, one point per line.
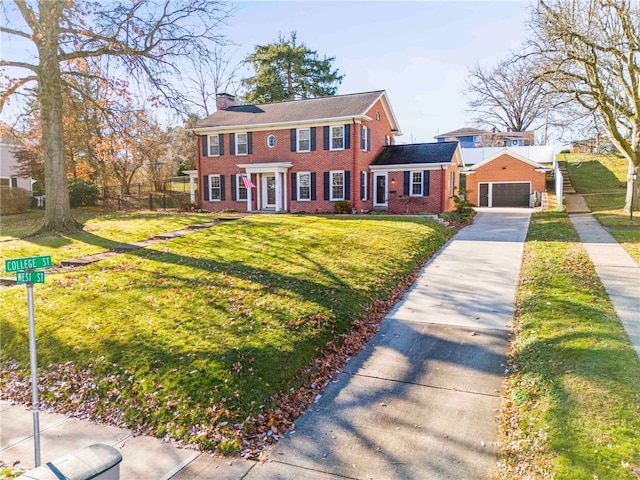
224	101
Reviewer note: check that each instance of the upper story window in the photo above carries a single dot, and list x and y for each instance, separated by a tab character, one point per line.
304	140
242	144
271	140
364	134
416	184
337	137
214	145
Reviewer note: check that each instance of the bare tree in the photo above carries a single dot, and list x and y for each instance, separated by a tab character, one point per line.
507	96
591	51
145	37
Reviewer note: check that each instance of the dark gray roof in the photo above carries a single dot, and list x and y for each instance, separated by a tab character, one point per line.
436	152
338	106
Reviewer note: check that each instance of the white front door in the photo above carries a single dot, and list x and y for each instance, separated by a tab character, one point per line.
269	191
380	189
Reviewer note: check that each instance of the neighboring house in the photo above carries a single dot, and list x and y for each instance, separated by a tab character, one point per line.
305	155
477	138
8	163
505	179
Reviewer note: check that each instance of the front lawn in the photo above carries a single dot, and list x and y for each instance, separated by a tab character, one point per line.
572	404
210	337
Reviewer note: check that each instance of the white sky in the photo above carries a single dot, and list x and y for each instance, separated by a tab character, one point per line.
418	51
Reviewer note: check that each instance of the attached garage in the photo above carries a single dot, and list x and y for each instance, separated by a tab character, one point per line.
510	194
505	179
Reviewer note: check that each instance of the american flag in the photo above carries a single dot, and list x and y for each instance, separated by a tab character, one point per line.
247	183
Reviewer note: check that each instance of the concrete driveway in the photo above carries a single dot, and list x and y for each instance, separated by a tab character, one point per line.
422	400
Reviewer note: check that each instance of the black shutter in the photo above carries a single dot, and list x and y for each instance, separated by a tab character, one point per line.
232	144
407	182
205	147
293	140
362	186
312	133
222	187
347	136
249	143
347	185
362	143
325	137
368	139
326	186
205	188
294	187
313	186
425	183
233	188
221	143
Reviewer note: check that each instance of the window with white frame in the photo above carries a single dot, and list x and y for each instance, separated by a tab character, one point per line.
364	186
241	144
387	140
241	188
215	188
214	145
304	186
337	137
416	184
363	142
337	186
452	184
304	140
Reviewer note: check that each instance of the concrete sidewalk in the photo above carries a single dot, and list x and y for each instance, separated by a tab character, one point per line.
619	273
421	401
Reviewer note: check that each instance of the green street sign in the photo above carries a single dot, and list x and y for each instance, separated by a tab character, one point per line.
29	277
28	263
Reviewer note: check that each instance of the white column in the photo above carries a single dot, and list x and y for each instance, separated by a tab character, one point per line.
249	194
259	191
278	192
192	190
286	197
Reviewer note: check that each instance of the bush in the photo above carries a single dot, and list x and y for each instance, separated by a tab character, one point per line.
343	206
14	200
83	193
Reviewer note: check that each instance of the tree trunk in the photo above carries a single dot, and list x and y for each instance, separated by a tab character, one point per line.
58	211
632	199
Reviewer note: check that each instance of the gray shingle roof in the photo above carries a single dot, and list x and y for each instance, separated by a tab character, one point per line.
322	108
436	152
463	132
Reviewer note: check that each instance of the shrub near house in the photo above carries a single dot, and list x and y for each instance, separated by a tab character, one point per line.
307	155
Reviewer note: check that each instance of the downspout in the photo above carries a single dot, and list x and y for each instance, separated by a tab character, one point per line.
443	197
199	168
356	195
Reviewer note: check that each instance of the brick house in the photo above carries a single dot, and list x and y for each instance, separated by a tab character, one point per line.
300	155
505	179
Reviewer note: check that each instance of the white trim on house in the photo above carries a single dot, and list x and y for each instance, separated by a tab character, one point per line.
377	175
298	197
331	137
505	151
408	166
283	125
333	198
261	170
412	183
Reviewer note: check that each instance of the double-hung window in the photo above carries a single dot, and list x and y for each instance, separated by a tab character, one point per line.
416	184
363	140
241	188
242	144
215	186
337	185
304	140
337	137
214	145
304	186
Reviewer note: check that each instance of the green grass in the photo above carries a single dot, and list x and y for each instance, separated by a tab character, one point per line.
191	337
602	180
572	406
102	230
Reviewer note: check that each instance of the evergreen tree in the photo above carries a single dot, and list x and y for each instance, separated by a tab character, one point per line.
285	70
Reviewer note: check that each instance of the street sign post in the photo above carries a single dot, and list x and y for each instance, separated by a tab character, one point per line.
25	273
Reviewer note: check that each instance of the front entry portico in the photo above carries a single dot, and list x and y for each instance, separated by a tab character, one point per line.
271	186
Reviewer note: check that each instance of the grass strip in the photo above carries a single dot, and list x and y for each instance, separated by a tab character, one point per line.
572	405
194	338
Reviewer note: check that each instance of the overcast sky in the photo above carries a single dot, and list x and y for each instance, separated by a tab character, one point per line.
418	51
